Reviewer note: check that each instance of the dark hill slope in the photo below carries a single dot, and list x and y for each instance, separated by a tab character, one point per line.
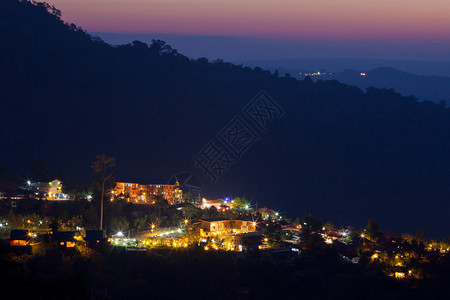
337	152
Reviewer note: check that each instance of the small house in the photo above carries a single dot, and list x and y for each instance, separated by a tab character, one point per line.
94	237
19	241
247	242
66	239
19	238
280	257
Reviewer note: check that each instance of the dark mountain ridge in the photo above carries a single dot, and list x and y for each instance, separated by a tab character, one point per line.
337	152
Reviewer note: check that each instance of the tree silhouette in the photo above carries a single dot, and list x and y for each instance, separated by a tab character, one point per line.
371	230
419	236
101	165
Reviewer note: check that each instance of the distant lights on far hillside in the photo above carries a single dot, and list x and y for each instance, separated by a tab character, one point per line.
315	74
362	74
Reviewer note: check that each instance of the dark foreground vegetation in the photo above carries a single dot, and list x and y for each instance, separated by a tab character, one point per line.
113	273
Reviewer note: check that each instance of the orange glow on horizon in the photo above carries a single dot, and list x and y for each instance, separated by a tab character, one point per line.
349	19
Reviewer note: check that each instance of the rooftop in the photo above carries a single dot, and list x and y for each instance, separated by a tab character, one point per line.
19	234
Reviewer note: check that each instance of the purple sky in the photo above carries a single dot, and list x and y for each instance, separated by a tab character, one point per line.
397	25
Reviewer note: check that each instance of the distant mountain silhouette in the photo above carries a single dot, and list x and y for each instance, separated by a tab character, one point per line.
337	152
433	88
338	65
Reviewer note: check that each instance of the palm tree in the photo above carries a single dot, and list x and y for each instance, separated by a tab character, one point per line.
101	165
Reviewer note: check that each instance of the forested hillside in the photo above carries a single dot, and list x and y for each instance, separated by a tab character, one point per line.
337	152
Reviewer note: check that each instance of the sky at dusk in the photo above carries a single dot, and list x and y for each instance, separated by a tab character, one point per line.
331	19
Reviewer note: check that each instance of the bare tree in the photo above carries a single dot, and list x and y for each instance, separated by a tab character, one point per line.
101	165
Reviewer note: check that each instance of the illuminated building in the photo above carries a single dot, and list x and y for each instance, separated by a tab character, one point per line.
19	238
133	192
66	239
144	193
52	190
20	241
219	226
210	203
218	204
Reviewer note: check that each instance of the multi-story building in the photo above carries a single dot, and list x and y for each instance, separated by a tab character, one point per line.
133	192
52	190
55	191
144	193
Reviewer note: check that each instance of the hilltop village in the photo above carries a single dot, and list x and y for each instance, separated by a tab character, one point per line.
41	217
